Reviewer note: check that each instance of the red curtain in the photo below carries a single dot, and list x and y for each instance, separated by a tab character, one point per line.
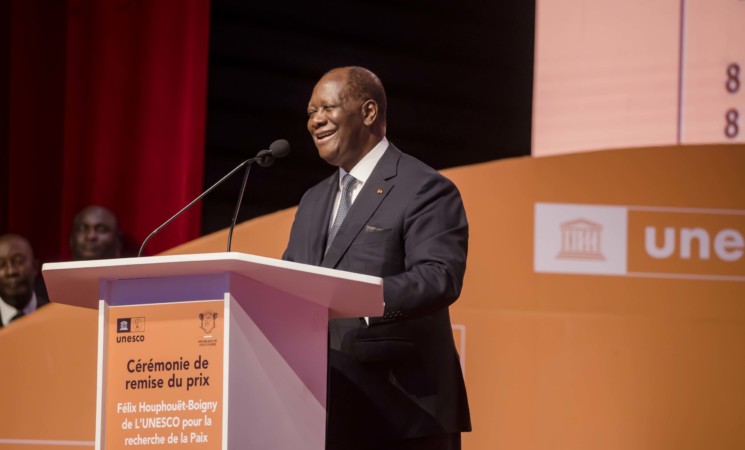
117	120
30	200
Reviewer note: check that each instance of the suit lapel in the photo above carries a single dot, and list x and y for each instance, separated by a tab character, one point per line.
375	190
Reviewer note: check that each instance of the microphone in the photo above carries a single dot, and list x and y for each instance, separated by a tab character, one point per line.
264	158
279	148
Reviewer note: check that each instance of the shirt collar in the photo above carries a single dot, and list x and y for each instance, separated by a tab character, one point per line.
362	170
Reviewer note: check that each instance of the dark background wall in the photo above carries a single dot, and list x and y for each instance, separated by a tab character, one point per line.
458	76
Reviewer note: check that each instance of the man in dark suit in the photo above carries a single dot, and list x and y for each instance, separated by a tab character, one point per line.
395	381
18	272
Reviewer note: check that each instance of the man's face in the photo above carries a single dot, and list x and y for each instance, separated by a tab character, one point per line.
95	236
17	272
335	121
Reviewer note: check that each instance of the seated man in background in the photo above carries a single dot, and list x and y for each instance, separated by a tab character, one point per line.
95	235
18	271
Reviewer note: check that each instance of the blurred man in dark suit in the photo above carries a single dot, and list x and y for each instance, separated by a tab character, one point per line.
95	235
18	272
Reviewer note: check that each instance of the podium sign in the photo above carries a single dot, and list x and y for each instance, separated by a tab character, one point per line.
159	393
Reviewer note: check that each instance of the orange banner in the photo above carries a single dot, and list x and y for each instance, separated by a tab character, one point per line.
164	380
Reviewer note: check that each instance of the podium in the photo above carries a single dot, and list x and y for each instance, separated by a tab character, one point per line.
212	351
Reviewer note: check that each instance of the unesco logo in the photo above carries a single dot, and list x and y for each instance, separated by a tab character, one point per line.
580	239
130	325
647	241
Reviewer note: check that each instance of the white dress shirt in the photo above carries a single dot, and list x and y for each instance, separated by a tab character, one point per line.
8	312
361	171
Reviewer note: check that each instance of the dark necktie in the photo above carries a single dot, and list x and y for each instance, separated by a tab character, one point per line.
345	202
18	315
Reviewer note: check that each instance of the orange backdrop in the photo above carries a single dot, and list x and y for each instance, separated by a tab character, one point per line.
647	360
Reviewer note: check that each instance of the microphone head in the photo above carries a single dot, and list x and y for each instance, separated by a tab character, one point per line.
279	148
264	158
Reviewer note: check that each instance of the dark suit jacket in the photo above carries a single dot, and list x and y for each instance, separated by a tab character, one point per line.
42	298
399	377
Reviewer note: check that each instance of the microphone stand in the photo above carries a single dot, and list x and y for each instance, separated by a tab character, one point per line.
264	158
220	181
238	205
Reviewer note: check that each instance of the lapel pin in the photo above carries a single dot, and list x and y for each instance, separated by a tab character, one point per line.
379	191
